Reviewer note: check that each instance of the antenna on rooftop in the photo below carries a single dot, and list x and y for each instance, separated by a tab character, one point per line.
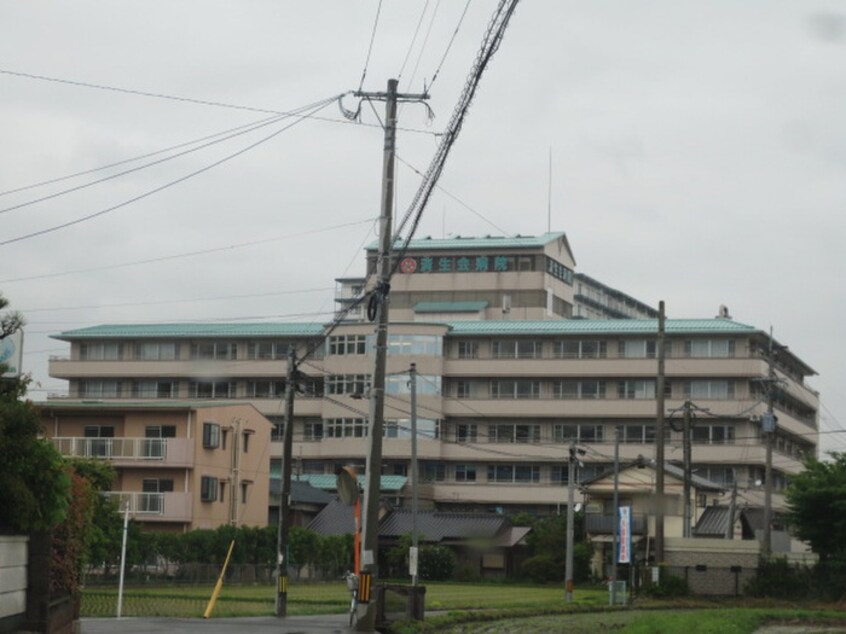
549	195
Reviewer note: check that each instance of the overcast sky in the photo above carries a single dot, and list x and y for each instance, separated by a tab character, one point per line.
698	156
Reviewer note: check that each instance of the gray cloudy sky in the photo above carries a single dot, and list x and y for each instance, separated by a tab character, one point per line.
699	152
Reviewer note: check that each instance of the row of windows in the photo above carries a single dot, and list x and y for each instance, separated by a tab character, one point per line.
713	389
586	433
420	345
593	348
507	473
359	428
170	351
428	345
359	384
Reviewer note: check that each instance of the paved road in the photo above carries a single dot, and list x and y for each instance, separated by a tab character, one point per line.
325	624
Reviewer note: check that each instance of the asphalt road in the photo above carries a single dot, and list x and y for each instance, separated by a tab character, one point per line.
324	624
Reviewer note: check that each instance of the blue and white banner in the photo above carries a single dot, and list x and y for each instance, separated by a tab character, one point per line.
625	533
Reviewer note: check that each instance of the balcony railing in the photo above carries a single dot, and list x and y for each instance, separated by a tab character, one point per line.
113	448
604	524
154	506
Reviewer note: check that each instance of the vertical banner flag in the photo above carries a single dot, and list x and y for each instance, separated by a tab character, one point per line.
625	533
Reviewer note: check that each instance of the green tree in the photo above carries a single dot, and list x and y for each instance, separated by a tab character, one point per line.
816	499
34	483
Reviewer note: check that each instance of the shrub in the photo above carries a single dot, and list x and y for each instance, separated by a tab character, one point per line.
466	572
778	579
436	563
670	586
543	569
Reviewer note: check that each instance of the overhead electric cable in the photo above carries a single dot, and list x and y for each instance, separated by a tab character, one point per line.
413	40
161	187
69	190
133	159
449	46
423	45
478	214
370	47
490	44
186	255
175	301
142	93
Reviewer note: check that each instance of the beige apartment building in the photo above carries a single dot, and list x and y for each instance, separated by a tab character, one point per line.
179	465
509	372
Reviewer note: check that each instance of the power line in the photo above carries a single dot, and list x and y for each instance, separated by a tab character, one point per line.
490	43
242	131
176	256
162	187
176	301
478	214
425	41
133	159
370	48
449	45
413	40
141	93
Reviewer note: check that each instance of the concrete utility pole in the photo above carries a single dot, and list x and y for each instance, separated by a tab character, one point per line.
414	537
285	495
571	486
659	440
367	611
768	426
615	520
732	507
688	406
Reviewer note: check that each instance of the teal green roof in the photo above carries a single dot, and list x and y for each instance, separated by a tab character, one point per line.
449	307
328	482
176	331
61	403
470	242
598	326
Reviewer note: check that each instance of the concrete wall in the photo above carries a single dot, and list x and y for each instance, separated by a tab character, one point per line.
13	581
707	563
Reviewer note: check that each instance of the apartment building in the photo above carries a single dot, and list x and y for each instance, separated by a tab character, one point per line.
517	354
179	465
498	401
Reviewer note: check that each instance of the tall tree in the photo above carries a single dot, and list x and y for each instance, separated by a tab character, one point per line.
34	482
817	506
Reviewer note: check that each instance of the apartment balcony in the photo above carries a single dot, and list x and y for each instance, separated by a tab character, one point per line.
154	507
130	452
599	524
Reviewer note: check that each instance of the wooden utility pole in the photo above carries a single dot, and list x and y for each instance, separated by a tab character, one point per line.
659	440
366	621
285	495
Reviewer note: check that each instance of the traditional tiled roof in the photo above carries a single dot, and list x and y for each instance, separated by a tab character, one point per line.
433	526
472	242
176	331
437	526
301	492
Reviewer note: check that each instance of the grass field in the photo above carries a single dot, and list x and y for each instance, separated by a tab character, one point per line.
318	598
709	621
